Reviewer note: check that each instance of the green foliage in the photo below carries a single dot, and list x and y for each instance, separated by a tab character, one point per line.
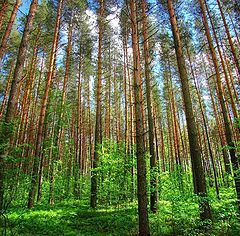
178	210
6	130
237	122
178	216
114	173
72	218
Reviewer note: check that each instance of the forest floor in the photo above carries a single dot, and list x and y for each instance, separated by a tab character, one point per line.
179	217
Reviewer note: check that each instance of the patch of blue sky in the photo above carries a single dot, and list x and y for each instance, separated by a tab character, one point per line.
23	12
24	8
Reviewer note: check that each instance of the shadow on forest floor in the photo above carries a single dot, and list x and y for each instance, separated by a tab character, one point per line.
76	218
72	220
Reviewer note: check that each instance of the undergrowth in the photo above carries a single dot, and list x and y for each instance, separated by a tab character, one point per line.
175	217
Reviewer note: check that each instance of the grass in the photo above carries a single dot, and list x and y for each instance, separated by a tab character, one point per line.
177	215
71	218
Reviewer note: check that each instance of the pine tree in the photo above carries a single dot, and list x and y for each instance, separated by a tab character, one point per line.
7	128
197	168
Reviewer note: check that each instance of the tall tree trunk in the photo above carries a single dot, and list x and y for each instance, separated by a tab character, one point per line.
162	142
125	93
169	119
7	133
231	80
156	135
89	122
228	131
28	90
116	106
140	145
39	191
153	180
108	95
98	128
7	89
77	166
197	168
12	102
42	114
132	126
59	129
232	102
232	47
204	123
8	29
219	128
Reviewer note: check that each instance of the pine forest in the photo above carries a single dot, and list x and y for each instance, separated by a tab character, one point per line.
120	117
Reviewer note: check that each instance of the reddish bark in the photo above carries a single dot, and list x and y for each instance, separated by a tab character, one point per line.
9	28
